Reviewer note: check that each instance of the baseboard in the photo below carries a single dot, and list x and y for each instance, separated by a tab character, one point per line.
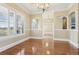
61	39
76	45
13	44
36	37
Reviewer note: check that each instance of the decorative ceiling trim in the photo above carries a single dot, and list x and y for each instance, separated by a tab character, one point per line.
25	9
31	13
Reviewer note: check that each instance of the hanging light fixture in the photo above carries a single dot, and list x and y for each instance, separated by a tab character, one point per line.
43	6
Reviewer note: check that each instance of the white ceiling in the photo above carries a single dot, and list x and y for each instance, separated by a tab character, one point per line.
53	6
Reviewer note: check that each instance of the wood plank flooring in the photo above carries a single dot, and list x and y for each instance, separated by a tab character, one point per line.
42	47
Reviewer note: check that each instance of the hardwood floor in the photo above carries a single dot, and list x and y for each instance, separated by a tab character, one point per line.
42	47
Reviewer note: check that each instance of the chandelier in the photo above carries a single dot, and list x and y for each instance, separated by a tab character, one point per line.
43	6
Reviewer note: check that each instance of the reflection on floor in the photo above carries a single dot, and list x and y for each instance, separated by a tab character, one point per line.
42	47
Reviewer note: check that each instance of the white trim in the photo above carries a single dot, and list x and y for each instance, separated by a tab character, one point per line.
13	44
27	11
61	29
61	39
36	37
70	6
76	45
66	9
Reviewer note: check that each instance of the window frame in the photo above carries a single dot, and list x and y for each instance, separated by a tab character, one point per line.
8	31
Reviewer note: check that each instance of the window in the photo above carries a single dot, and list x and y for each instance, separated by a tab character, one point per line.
10	22
3	21
35	24
72	19
19	24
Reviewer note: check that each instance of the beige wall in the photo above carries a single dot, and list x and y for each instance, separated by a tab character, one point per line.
59	33
58	19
